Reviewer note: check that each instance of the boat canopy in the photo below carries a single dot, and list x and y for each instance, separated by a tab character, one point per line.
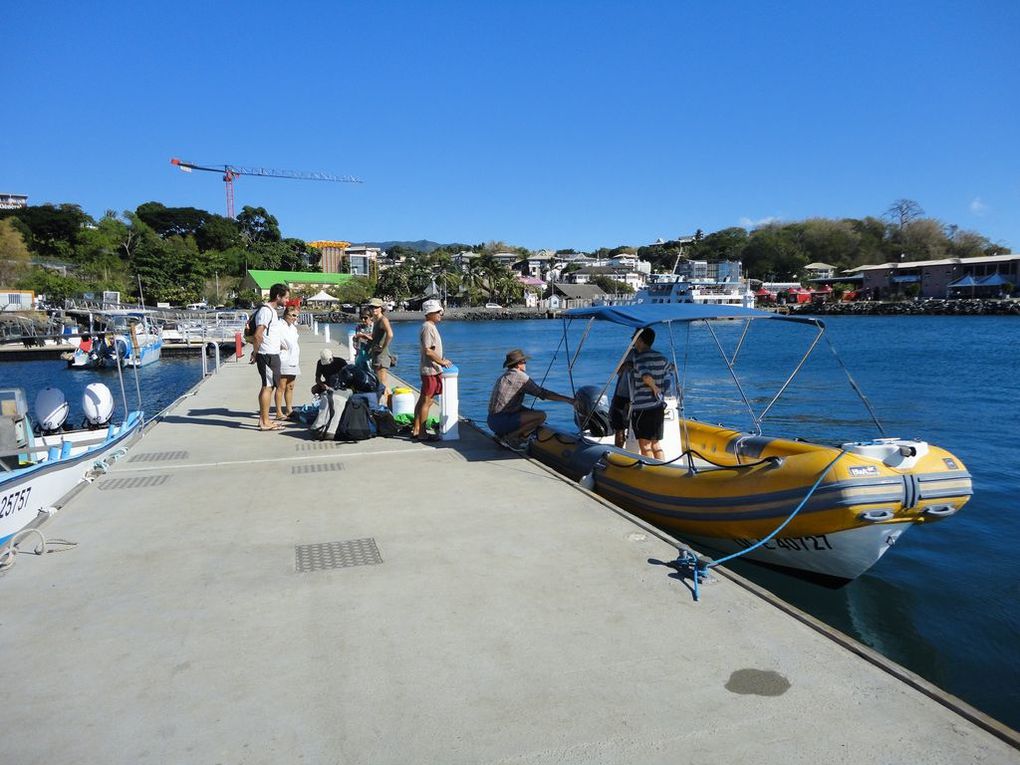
644	314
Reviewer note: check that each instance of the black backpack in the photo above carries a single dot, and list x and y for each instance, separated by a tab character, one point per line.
355	422
250	326
385	425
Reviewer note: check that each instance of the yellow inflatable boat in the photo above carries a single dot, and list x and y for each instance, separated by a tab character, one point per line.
732	489
843	506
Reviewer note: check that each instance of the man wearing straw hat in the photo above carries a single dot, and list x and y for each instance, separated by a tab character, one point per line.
508	418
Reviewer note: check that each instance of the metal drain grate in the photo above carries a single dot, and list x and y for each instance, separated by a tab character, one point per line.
138	482
159	456
316	446
325	555
321	467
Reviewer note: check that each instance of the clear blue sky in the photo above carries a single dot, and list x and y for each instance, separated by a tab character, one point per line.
543	124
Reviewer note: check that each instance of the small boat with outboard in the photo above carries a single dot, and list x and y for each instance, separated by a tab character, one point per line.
827	510
43	459
131	337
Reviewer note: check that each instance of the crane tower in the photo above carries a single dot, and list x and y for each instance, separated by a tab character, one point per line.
232	171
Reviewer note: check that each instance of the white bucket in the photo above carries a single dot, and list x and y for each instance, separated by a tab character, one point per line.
403	401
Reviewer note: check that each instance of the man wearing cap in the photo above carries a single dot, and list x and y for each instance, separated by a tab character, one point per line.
382	336
327	371
508	417
432	365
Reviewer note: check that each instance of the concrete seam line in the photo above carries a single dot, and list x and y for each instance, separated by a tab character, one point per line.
314	456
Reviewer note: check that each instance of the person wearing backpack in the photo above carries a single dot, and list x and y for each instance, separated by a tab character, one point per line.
265	352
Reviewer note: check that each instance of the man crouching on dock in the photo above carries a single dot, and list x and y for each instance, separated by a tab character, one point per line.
509	419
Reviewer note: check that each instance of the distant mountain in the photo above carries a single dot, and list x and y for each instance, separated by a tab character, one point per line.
422	245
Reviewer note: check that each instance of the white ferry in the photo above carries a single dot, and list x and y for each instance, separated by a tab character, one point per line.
679	288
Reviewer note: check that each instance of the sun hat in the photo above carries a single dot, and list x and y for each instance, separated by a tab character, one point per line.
516	356
326	356
376	303
431	306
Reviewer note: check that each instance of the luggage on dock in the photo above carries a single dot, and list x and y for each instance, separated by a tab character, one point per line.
355	421
385	425
324	418
371	398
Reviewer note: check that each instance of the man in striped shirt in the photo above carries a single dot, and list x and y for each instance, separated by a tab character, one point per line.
651	373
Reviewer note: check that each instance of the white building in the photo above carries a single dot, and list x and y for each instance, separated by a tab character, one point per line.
13	201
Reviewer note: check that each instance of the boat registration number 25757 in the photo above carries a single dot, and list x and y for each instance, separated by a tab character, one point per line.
13	502
803	544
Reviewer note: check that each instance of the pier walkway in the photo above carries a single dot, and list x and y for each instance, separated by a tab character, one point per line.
497	614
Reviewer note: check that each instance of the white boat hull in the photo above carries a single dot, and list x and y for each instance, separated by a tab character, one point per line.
843	555
27	491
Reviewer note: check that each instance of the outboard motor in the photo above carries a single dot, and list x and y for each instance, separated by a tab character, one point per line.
51	409
591	412
97	403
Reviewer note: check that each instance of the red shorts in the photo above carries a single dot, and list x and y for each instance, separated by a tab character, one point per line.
432	385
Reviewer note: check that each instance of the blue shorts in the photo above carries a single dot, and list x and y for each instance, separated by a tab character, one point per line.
502	423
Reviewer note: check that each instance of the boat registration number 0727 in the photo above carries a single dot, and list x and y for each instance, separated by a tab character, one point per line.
803	544
13	502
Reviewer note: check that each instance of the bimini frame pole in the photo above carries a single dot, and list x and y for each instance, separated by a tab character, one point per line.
821	331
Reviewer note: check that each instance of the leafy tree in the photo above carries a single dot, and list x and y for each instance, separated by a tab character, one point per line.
172	221
218	233
829	241
53	229
393	283
727	244
773	254
612	286
14	255
357	291
55	287
258	226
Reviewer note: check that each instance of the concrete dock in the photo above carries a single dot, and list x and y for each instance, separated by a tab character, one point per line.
477	609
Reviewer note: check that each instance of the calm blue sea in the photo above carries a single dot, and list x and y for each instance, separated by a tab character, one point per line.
944	601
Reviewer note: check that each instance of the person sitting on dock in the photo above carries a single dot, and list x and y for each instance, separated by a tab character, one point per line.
327	371
508	418
266	351
648	408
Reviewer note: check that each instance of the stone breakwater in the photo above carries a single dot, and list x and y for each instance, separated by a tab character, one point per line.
931	307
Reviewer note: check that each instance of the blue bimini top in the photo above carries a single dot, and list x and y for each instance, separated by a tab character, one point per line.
645	314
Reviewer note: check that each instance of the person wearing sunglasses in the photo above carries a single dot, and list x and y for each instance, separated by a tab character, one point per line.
290	359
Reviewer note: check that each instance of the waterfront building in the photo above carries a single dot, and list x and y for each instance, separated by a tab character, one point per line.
560	297
363	260
984	276
299	281
819	271
632	278
13	201
332	255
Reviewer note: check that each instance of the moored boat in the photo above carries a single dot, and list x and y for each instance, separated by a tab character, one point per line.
830	511
42	462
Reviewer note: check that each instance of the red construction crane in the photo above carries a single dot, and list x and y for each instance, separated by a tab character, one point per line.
232	171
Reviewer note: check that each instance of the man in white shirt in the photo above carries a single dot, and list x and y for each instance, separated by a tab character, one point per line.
266	351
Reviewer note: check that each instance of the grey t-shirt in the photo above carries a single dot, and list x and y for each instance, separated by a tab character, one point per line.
429	338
